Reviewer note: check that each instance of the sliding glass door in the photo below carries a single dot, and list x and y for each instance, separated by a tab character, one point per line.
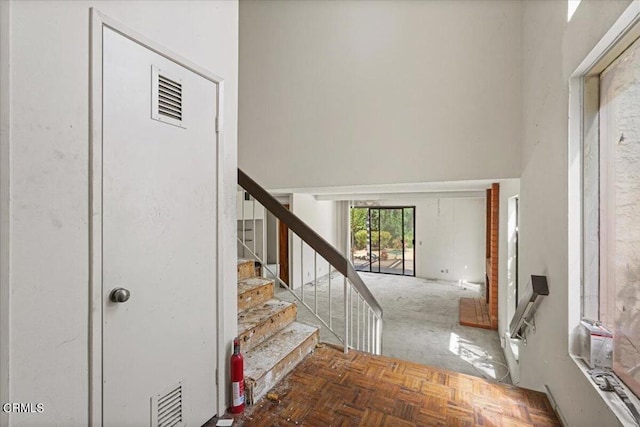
382	239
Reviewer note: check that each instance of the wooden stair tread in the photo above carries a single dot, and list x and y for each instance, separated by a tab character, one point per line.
265	356
270	361
253	291
254	316
250	283
259	323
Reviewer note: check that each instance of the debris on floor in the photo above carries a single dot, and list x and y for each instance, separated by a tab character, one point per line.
273	397
225	422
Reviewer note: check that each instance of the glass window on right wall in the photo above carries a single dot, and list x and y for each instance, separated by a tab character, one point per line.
611	214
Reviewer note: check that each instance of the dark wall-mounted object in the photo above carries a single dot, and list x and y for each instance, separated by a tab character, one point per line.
525	309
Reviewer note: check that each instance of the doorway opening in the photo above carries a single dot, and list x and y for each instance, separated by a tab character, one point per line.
383	239
283	250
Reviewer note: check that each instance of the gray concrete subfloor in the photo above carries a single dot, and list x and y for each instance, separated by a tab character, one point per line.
420	322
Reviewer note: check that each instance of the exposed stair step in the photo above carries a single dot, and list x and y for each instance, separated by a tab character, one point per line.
269	362
258	323
246	268
254	291
270	339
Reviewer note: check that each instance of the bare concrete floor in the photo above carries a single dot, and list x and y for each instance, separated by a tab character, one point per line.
420	322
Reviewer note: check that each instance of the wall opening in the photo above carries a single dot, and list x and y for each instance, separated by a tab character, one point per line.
383	239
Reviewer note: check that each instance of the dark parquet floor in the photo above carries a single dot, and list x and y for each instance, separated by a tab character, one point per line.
331	388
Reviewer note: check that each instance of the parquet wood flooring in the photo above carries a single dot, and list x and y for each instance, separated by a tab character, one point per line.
331	388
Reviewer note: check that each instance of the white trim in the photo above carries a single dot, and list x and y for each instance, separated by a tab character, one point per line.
221	363
127	32
402	196
574	197
615	404
95	222
98	22
5	207
610	45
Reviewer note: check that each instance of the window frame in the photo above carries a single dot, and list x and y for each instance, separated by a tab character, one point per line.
584	104
608	205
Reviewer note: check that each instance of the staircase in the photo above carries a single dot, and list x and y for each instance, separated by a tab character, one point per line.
272	342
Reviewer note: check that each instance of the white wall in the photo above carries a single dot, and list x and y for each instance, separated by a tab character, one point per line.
349	92
5	212
322	217
255	227
450	237
49	184
272	238
552	50
343	242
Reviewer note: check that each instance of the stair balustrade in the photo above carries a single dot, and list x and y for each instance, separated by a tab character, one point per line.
352	314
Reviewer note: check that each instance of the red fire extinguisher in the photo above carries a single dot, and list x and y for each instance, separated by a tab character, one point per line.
237	379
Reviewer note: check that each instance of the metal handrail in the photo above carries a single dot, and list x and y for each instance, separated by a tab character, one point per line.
311	238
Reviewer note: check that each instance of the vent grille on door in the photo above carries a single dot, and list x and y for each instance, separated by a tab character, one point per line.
167	100
167	408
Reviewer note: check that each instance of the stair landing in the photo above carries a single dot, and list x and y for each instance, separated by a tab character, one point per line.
333	388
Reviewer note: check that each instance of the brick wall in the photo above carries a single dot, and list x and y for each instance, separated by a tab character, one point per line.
493	203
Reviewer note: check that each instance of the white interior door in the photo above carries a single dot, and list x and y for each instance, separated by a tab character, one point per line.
159	239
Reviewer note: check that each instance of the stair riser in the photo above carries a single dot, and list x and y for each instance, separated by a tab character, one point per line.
256	388
255	297
261	332
246	270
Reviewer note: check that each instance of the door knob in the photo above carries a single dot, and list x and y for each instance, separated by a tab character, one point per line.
119	295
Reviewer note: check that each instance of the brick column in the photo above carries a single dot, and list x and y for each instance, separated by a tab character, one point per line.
494	222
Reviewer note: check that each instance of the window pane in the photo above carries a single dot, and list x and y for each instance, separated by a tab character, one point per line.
409	241
620	210
374	236
360	238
